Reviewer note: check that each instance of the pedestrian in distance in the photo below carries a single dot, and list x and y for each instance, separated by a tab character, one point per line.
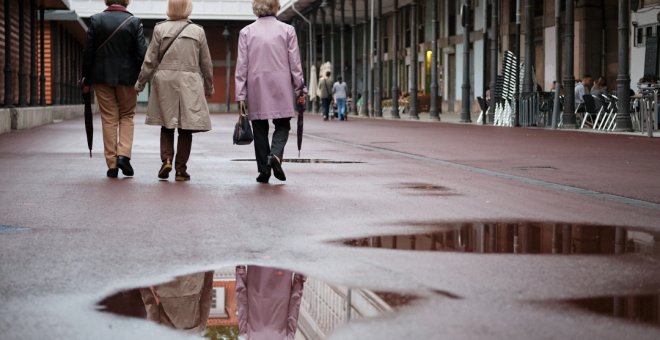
340	90
325	90
179	66
269	77
112	56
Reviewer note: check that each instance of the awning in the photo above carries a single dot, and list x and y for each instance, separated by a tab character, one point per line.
53	4
70	21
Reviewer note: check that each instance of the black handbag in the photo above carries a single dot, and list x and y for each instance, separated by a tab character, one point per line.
242	130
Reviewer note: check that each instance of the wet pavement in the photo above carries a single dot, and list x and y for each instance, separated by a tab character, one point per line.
71	237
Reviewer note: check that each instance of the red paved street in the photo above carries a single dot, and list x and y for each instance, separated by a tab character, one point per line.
87	236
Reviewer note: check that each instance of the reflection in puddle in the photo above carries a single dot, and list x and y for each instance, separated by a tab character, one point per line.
638	308
254	302
519	238
304	160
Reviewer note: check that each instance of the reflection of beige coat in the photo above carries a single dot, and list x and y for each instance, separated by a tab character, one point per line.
180	80
184	303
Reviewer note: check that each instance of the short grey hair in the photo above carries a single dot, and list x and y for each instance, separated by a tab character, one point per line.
124	3
262	8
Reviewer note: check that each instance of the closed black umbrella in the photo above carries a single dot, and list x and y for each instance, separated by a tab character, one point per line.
300	107
89	127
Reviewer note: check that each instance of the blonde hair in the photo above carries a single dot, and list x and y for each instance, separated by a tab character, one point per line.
262	8
179	9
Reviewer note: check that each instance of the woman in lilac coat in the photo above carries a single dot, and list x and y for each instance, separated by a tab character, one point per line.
269	77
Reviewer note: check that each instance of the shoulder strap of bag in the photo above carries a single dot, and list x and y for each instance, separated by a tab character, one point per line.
123	23
172	41
325	81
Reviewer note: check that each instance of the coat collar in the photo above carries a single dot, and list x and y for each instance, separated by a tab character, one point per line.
116	8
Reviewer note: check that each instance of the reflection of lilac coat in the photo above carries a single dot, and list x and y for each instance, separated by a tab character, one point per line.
268	69
268	302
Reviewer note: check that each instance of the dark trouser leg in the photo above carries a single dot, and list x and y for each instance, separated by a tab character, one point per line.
280	136
261	146
325	106
166	144
183	145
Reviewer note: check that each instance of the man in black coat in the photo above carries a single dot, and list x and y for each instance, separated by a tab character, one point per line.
112	58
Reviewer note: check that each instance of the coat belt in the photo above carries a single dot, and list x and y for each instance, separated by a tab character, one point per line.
178	67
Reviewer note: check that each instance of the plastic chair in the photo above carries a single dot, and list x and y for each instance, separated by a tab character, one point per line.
484	109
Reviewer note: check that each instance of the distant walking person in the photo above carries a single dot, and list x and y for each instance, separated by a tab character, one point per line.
112	57
325	90
340	90
179	65
268	73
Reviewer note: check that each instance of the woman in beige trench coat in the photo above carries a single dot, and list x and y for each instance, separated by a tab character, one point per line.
180	79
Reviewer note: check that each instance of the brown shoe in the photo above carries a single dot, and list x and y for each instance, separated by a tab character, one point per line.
164	171
182	176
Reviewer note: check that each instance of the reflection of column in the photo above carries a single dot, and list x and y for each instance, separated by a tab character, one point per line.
516	239
566	239
555	230
619	241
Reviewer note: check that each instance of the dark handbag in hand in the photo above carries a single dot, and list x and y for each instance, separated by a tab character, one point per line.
243	131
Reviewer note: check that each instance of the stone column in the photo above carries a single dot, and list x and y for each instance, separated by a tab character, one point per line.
366	62
395	60
33	53
22	75
378	72
568	118
623	122
9	90
434	112
354	58
413	59
466	98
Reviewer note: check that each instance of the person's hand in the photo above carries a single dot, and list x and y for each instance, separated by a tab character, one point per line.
241	106
301	99
85	89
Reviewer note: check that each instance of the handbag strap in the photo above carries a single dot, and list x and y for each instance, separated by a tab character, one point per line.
325	82
123	23
167	48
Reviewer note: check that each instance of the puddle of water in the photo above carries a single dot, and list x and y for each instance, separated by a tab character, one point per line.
304	160
8	229
637	308
259	301
519	238
535	167
426	189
